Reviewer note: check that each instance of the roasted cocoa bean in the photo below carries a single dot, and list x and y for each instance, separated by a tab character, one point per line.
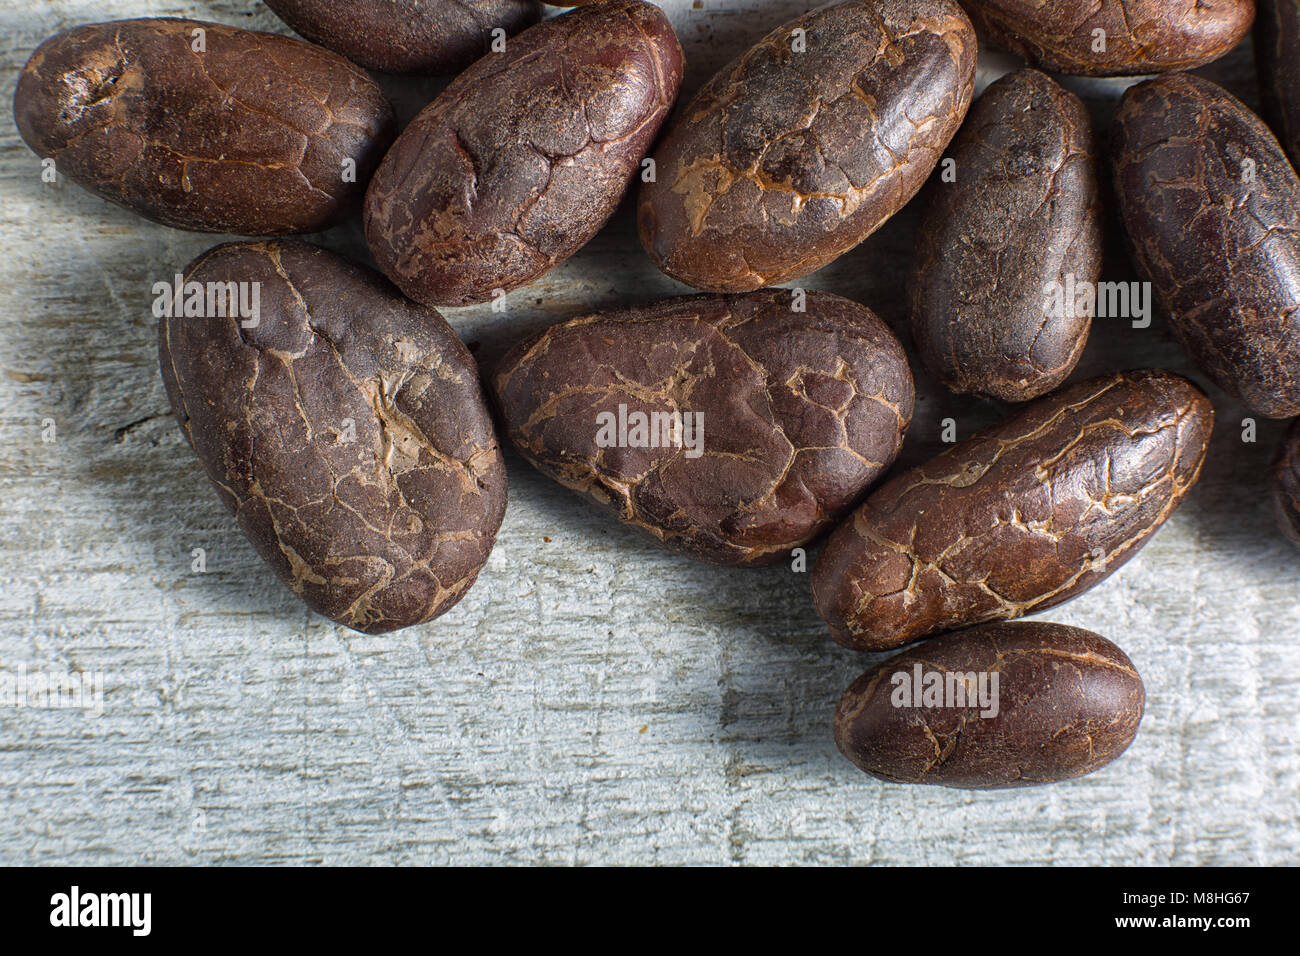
802	147
762	424
1020	517
1212	210
205	127
343	426
407	36
525	155
1000	705
1114	37
998	246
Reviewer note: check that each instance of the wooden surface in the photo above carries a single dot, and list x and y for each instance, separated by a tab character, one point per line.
593	699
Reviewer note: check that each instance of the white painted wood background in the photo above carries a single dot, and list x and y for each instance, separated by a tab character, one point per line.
593	699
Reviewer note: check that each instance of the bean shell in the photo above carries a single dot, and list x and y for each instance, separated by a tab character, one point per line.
1114	37
1212	210
407	36
1021	216
205	127
1066	702
345	430
522	159
1018	518
802	410
787	159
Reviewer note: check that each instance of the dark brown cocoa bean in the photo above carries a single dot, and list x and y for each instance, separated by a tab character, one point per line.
343	426
1212	210
796	414
1018	518
1114	37
806	144
525	155
407	36
1020	217
1000	705
205	127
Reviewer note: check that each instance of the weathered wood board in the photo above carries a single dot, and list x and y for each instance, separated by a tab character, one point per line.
593	699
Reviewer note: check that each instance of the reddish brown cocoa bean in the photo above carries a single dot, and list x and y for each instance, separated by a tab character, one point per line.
806	144
797	413
345	430
205	127
1114	37
407	36
1211	206
1020	217
1000	705
1018	518
525	155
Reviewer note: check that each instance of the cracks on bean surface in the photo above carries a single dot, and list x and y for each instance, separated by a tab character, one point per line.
1061	35
443	244
712	342
1022	219
129	77
710	172
1184	200
960	593
1068	701
390	449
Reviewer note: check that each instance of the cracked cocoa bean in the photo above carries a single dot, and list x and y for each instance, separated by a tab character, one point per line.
1020	517
525	155
1284	483
344	428
1000	705
1212	210
1114	37
407	36
1277	38
1021	216
762	425
801	148
205	127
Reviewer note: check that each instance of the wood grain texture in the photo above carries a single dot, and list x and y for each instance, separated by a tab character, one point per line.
593	699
